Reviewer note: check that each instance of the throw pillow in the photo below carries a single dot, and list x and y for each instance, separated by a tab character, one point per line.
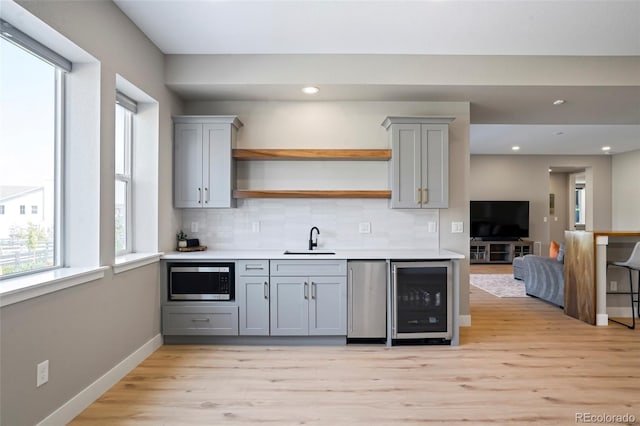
560	257
554	248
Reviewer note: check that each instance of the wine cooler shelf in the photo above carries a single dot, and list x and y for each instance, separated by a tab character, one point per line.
498	251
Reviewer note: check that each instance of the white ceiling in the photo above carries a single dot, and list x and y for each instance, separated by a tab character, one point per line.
593	116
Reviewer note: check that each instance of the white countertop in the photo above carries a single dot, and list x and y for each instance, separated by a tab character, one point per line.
394	254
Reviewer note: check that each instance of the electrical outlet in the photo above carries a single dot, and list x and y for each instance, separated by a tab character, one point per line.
364	227
194	226
255	227
457	227
42	373
614	285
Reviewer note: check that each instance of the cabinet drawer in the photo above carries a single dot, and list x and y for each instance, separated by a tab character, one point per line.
195	320
248	268
308	267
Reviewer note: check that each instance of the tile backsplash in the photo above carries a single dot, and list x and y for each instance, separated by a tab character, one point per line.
285	224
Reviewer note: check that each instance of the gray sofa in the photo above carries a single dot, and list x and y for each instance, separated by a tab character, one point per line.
544	278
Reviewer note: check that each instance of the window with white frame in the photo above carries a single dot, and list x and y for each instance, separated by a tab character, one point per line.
125	113
31	112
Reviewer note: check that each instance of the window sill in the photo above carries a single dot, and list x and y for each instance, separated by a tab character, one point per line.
134	260
19	289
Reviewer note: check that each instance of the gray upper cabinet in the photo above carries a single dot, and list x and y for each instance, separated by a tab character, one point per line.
203	165
420	161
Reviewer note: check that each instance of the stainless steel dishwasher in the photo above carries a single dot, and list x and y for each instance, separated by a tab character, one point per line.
367	300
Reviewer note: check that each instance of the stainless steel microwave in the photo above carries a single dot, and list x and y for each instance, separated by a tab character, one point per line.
201	281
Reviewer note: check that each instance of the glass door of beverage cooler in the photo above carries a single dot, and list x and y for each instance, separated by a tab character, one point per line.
422	300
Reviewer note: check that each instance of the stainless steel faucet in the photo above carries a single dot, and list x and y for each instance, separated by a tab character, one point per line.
311	243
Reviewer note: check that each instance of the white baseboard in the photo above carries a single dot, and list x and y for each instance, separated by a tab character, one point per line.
91	393
464	320
602	319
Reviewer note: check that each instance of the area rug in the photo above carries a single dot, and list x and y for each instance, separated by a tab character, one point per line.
500	285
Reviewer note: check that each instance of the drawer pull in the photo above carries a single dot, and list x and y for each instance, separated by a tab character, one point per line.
266	290
306	290
253	268
201	319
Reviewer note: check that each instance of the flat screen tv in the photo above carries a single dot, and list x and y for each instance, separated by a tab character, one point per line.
499	220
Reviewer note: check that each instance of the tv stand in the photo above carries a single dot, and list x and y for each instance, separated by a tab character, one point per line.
498	251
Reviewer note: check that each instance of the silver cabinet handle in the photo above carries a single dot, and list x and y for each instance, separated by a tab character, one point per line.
306	290
201	319
199	196
266	290
253	268
314	290
206	191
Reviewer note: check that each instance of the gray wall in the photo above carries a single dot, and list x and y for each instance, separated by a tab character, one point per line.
84	331
526	177
626	191
558	221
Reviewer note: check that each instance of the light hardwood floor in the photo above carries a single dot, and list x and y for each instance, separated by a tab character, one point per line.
522	362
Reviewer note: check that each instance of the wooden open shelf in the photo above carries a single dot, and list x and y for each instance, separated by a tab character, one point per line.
310	194
313	154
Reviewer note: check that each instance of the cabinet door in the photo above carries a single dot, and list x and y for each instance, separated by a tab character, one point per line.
217	166
289	306
435	165
253	305
328	306
406	165
188	191
200	320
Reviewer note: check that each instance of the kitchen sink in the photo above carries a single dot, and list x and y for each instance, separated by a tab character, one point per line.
309	252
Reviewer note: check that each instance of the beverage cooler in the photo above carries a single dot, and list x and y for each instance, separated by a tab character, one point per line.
421	301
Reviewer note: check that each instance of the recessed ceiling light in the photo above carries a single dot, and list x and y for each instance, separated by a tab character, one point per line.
550	170
559	101
606	148
310	90
515	148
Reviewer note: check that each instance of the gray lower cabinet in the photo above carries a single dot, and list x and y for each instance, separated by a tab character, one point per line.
252	294
200	320
289	306
308	305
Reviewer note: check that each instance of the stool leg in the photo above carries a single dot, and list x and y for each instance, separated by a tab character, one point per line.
638	294
633	315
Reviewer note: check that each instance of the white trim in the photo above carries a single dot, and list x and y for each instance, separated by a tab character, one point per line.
602	320
14	290
135	260
602	240
69	410
464	320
